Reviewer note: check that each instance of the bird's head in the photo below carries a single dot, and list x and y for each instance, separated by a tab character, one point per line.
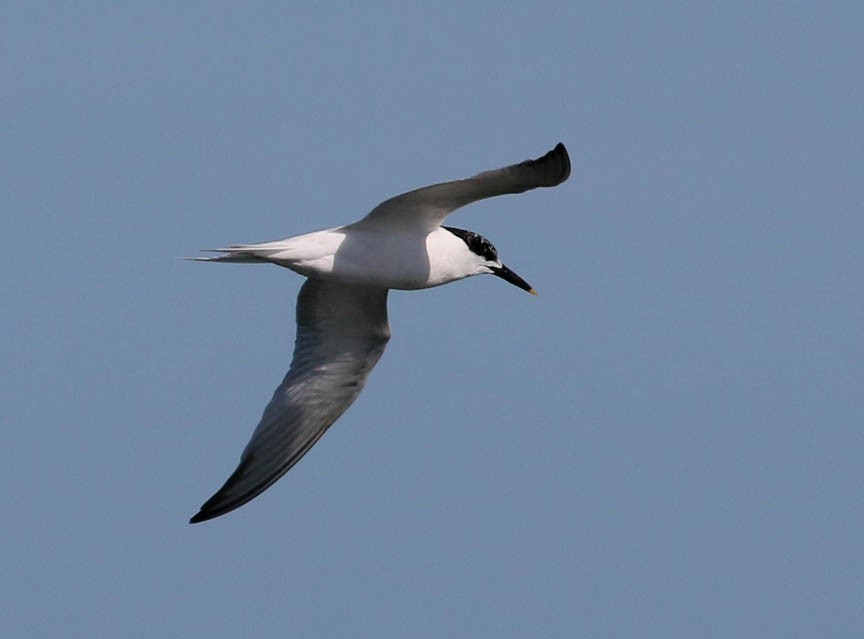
483	253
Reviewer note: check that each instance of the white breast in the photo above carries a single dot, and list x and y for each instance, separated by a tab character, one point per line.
401	259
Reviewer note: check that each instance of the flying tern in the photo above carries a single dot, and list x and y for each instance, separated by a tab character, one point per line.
342	326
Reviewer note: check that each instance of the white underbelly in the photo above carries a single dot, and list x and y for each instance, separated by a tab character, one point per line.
390	260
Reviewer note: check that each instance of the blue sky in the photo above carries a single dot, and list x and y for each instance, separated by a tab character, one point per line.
667	442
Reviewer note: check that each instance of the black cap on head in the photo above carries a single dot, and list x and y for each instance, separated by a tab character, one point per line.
479	245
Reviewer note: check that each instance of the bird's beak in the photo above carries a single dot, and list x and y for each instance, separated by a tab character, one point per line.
509	276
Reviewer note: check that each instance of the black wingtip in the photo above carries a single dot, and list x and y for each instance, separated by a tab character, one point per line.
198	518
214	507
225	499
559	154
553	168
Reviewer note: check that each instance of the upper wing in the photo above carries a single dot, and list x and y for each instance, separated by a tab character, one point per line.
426	207
342	330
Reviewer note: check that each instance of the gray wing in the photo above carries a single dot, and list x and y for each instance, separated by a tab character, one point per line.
426	208
342	330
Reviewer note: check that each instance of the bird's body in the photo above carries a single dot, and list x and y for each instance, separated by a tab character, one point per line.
342	326
408	259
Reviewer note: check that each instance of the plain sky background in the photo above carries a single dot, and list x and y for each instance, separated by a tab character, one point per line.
667	442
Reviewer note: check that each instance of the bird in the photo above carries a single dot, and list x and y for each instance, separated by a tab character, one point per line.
341	313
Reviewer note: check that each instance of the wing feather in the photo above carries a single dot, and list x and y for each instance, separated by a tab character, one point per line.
427	207
342	331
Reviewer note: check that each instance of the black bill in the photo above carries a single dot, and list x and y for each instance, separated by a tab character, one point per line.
509	276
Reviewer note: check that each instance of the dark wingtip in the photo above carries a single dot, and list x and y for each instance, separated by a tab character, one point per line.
209	510
199	517
553	167
212	508
560	154
222	502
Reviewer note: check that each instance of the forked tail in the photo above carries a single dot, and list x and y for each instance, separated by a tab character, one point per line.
237	254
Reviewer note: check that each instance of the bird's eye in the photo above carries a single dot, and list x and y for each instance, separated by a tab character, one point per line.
489	251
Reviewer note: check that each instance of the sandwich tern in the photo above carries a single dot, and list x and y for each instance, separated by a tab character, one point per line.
342	325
